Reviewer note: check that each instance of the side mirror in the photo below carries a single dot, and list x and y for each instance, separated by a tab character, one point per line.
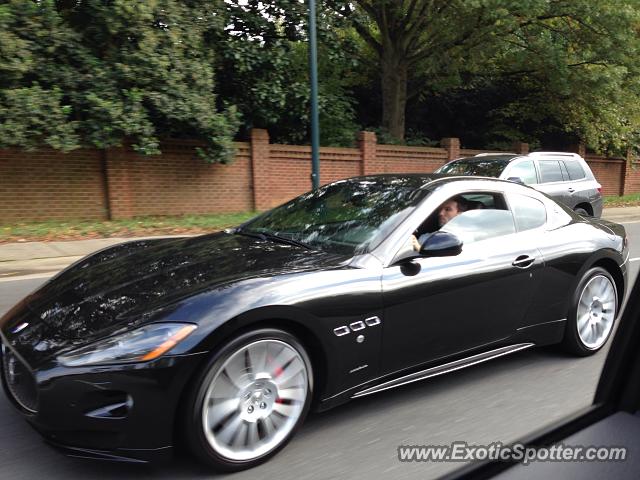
441	244
516	180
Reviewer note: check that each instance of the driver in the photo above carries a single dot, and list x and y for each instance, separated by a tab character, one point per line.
448	210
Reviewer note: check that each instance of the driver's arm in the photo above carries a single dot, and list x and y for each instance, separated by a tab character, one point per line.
415	243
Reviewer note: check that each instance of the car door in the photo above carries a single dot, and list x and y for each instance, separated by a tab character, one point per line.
440	306
552	181
579	189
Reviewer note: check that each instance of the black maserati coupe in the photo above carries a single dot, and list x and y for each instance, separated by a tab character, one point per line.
226	340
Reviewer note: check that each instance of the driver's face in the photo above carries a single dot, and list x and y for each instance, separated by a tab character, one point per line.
448	210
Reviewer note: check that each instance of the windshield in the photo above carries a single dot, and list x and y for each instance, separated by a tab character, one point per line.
483	167
349	216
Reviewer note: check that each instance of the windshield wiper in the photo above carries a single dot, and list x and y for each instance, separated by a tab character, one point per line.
271	236
246	233
290	241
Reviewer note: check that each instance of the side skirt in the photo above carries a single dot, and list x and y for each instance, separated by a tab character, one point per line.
445	368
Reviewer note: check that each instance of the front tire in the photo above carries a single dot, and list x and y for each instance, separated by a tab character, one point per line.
593	312
249	400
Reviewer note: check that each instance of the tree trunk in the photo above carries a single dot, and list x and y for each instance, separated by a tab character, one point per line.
394	93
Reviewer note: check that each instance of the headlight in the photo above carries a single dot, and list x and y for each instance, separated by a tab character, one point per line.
140	345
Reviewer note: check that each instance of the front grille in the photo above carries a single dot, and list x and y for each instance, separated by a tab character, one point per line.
19	380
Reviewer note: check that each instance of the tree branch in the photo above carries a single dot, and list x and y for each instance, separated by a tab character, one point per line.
409	14
367	36
474	30
586	25
422	20
372	12
385	33
588	62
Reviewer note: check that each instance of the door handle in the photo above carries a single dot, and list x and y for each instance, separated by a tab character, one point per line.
523	261
571	190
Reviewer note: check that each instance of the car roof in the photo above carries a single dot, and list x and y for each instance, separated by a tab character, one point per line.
491	157
421	180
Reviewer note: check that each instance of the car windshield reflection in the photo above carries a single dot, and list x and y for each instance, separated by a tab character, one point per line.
350	216
484	167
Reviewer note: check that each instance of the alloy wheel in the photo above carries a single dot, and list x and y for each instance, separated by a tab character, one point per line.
596	311
255	399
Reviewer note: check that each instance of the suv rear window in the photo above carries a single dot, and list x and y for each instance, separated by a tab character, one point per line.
575	170
550	171
489	166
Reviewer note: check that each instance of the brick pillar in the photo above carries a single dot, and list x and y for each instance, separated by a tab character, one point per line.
117	168
368	144
520	148
579	148
452	146
260	152
626	187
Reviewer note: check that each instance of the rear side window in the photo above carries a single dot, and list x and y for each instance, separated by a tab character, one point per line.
550	171
576	172
528	212
476	225
525	171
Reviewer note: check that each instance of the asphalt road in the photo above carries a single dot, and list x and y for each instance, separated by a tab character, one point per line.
501	400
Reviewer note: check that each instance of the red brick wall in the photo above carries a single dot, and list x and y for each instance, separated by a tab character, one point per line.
410	159
368	146
177	182
608	172
632	178
290	169
49	185
96	184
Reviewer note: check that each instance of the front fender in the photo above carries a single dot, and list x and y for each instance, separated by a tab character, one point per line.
311	305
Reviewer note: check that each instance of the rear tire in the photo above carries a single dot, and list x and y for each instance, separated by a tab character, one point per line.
582	211
594	306
249	400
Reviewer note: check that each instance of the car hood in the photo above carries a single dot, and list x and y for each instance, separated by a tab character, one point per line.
129	284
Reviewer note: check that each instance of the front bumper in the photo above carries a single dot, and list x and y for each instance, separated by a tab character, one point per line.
116	413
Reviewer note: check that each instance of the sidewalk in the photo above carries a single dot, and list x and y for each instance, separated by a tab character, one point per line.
617	214
39	258
44	258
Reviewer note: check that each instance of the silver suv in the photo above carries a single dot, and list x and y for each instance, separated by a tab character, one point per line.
564	176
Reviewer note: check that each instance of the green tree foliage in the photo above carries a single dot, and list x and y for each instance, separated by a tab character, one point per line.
564	62
262	67
97	73
572	69
103	72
